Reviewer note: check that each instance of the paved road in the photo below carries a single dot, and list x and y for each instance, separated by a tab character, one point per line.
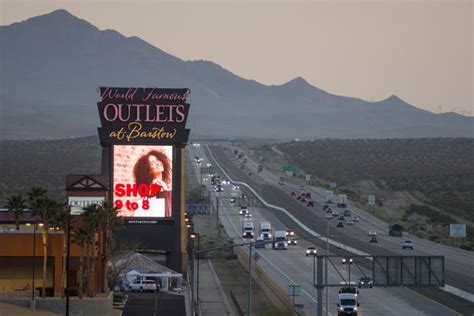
291	266
154	304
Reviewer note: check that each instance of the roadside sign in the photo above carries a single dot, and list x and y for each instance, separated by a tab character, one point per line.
457	230
332	185
294	290
371	199
289	173
308	177
288	168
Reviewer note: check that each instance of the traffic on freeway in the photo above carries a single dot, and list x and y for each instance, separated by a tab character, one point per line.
295	265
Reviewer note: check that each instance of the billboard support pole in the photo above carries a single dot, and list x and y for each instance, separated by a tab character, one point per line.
249	291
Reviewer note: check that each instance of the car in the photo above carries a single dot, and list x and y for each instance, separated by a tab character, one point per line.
260	243
349	221
293	193
143	286
232	200
244	210
355	218
208	165
365	281
311	251
373	239
407	244
347	260
292	242
235	187
218	188
328	215
248	215
290	232
335	213
310	203
303	200
340	218
243	196
372	233
225	182
347	213
340	224
281	182
325	207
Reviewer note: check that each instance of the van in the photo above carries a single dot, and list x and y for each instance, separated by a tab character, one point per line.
347	305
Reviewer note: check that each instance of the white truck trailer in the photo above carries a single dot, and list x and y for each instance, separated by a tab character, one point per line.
280	241
266	230
248	230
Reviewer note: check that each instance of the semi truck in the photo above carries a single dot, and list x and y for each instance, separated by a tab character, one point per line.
328	196
248	230
395	230
279	240
342	200
266	230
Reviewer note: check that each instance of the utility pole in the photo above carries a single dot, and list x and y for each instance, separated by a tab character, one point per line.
249	290
320	286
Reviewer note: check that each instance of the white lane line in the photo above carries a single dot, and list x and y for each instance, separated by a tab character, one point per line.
274	266
448	288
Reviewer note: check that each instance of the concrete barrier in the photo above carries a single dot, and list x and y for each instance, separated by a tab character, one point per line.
272	290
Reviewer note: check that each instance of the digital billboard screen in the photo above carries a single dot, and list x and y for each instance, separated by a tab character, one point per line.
142	180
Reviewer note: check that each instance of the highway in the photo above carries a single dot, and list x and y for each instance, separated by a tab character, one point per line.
293	267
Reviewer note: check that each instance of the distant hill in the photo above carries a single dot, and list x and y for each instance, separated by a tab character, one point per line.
53	64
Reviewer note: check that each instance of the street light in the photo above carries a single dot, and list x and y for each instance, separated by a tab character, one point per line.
194	236
34	259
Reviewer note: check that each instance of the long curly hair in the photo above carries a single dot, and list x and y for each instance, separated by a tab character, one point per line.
142	170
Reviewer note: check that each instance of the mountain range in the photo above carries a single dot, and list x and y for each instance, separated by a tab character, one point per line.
53	64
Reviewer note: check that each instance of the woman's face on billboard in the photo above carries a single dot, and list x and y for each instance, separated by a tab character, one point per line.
155	164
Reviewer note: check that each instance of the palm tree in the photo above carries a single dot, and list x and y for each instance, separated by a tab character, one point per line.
82	236
108	224
16	205
60	220
93	216
44	207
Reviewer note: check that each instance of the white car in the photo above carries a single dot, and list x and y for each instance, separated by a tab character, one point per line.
372	233
244	210
335	213
407	244
328	215
349	221
355	218
311	251
143	286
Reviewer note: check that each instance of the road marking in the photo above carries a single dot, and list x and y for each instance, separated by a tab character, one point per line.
448	288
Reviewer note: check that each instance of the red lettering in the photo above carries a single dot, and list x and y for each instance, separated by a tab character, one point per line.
119	191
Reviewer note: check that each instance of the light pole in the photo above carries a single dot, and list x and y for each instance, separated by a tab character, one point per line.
34	261
68	258
198	237
249	293
326	266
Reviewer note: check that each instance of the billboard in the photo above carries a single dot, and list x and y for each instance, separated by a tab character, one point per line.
142	180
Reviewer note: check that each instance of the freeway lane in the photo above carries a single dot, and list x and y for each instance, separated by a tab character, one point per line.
312	219
292	266
458	260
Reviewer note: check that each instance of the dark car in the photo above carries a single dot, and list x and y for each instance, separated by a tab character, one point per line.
373	239
365	281
347	260
310	203
340	224
325	207
293	193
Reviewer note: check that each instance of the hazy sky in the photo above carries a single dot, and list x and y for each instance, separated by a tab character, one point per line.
420	50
